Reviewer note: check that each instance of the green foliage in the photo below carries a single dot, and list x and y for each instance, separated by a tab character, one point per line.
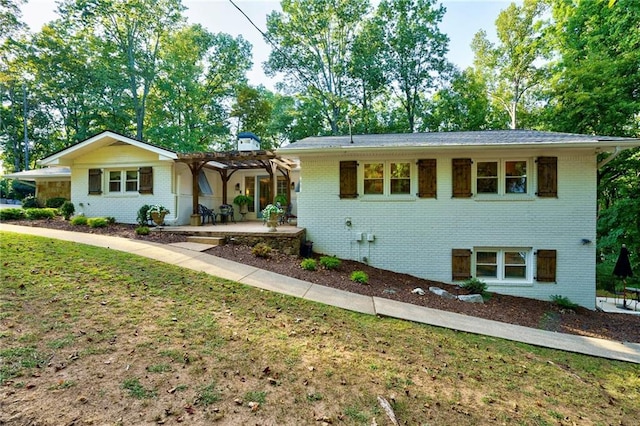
261	250
143	216
67	210
242	199
30	202
563	302
142	230
15	362
309	264
474	286
97	222
56	202
207	395
256	396
360	277
12	214
330	262
110	220
136	390
79	220
36	213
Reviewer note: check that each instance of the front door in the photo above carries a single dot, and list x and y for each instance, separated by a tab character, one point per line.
264	193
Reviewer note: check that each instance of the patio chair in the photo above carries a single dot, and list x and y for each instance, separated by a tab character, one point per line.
287	215
206	214
226	213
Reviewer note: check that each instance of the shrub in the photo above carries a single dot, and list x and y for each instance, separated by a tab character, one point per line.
34	214
97	222
142	230
143	218
563	302
67	209
12	214
30	202
308	264
261	250
330	262
79	220
360	277
55	202
110	220
475	286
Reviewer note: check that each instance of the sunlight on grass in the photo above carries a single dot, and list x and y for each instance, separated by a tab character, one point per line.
154	327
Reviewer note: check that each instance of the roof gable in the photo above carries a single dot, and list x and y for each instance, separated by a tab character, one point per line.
106	138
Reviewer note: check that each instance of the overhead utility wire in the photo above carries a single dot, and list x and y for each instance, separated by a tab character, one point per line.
300	76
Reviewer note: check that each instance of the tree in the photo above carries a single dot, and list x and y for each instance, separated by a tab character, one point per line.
511	67
132	33
198	74
596	82
413	50
314	41
253	110
463	105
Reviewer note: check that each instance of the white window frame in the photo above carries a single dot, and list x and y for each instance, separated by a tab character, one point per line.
386	179
501	265
123	181
502	177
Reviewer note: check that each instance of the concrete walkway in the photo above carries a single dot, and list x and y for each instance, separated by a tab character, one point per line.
188	256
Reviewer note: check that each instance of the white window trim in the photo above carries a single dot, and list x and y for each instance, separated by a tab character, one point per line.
502	193
386	185
501	280
123	182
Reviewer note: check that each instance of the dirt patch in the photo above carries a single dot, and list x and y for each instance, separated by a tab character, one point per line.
382	283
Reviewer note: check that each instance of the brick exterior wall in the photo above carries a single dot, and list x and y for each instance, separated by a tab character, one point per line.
416	236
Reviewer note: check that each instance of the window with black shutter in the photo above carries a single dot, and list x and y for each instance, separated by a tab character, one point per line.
95	181
461	177
547	177
460	264
546	266
427	178
145	175
348	179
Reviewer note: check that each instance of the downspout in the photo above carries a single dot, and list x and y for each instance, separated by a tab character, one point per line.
606	161
176	201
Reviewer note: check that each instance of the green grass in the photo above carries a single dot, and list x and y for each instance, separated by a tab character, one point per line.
132	332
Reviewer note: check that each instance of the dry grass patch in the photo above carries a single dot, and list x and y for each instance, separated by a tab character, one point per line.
93	334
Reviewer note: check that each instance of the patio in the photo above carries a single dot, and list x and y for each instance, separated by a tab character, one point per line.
288	238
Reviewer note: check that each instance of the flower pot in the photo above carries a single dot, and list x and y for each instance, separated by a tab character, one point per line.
158	218
272	222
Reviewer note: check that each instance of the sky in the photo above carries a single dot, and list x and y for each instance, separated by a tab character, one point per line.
462	20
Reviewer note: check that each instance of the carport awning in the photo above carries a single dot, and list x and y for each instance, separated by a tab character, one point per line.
46	173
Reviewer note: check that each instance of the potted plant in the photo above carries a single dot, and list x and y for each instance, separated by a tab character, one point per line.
243	201
281	199
271	212
157	213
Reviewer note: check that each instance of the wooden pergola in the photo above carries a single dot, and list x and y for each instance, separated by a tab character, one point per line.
227	163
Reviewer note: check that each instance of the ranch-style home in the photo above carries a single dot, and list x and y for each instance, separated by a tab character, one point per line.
113	175
514	208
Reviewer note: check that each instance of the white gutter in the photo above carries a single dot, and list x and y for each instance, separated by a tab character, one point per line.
609	158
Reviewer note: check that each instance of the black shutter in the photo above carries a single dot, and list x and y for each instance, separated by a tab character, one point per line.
427	178
145	176
546	266
95	181
547	177
460	264
348	179
461	177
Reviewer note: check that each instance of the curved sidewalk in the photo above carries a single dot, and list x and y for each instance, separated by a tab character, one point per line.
249	275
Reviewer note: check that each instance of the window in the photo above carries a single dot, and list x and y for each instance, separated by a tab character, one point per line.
95	181
387	178
123	181
501	177
508	264
374	178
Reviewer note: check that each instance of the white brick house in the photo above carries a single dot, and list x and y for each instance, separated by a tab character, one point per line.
515	208
114	175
